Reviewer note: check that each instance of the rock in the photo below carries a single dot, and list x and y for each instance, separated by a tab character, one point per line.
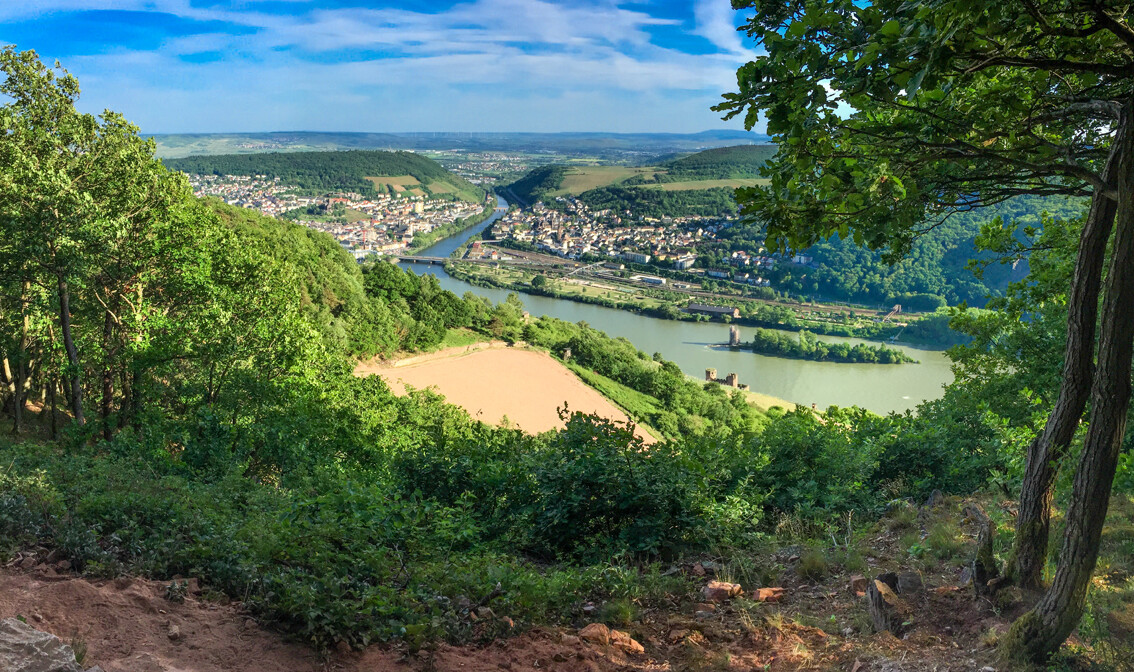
485	612
559	658
702	615
96	668
596	633
28	562
507	622
705	606
25	649
174	632
697	569
888	612
719	591
858	584
786	553
935	499
909	583
570	640
966	576
342	648
589	608
625	642
678	634
769	594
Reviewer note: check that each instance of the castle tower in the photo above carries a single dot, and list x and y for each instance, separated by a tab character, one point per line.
711	375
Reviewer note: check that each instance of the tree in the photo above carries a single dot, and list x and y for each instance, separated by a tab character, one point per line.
950	107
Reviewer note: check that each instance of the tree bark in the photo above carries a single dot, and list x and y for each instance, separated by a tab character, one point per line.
51	385
107	376
1046	452
1039	633
76	381
20	366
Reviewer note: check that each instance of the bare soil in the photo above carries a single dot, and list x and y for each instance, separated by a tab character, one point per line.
492	384
820	624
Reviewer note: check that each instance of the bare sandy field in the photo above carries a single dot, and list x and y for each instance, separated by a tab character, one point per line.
525	386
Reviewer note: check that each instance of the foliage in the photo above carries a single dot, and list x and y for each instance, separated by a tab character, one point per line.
532	187
686	407
807	346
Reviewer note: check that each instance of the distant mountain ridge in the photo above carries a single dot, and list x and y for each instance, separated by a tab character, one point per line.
189	144
357	171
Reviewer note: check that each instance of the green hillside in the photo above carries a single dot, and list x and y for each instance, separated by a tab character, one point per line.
339	171
742	161
706	179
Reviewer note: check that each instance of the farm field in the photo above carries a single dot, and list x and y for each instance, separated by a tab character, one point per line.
524	386
585	178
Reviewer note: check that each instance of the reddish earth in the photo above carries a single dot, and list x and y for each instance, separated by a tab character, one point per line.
125	625
812	625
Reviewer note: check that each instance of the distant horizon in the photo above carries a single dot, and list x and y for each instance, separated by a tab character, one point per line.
722	131
176	67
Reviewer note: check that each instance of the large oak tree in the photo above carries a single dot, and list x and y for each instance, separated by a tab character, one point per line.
892	115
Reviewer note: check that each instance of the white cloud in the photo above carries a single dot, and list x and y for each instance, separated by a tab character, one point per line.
482	65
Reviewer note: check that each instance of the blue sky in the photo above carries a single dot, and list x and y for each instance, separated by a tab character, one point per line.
392	65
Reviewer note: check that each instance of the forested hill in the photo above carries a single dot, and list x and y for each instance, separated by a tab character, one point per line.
719	164
337	171
537	183
933	274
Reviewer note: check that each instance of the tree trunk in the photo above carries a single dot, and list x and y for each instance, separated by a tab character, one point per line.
19	370
76	380
20	365
1039	633
51	385
107	376
1046	452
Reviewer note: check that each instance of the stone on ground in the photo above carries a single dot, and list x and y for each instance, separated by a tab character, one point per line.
25	649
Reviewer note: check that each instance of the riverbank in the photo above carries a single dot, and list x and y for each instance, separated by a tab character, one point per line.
660	304
442	232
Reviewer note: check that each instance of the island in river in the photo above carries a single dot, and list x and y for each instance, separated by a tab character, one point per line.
695	346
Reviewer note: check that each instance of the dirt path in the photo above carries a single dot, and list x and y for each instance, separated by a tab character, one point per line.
494	383
125	625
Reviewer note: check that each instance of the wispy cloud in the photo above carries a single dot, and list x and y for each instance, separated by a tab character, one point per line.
471	65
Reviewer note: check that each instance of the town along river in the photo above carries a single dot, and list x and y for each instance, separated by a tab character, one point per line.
694	346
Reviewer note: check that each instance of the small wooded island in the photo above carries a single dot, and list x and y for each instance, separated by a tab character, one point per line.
808	346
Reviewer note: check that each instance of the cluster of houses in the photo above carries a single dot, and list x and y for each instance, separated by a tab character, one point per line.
575	230
482	168
380	224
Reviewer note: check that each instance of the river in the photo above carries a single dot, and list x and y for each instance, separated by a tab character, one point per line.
694	347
